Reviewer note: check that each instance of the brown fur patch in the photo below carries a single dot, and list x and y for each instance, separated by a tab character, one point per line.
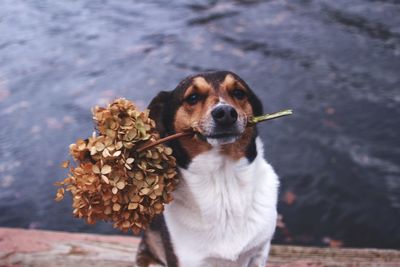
243	107
201	84
229	81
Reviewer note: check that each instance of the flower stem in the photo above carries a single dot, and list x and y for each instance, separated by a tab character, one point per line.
257	119
165	139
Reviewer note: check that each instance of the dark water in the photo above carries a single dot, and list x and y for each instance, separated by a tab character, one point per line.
336	63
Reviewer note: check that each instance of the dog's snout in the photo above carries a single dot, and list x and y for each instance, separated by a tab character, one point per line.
224	115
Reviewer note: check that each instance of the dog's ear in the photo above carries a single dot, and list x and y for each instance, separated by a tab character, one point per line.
256	104
159	111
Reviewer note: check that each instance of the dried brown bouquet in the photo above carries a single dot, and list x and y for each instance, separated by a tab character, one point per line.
113	181
124	174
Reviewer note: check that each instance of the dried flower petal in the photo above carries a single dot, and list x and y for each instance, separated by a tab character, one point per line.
60	194
65	164
121	185
133	206
106	153
96	169
168	151
106	169
100	146
105	179
116	207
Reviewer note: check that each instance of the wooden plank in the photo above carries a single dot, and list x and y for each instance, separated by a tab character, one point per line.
335	257
20	247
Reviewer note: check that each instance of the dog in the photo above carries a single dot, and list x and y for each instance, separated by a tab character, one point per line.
224	208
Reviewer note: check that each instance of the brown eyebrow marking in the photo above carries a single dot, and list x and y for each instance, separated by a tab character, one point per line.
230	82
200	82
199	85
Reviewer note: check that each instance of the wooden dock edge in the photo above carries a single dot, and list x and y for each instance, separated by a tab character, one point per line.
21	247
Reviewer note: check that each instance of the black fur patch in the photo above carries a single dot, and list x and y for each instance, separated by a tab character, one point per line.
158	224
162	110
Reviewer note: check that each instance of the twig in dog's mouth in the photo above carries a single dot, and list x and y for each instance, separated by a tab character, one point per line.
252	121
166	139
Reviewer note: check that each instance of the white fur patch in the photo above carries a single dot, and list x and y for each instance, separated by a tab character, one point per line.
222	208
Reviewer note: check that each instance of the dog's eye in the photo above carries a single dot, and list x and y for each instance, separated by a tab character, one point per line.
238	94
193	99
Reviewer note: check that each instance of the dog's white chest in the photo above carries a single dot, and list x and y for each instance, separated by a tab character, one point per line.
222	208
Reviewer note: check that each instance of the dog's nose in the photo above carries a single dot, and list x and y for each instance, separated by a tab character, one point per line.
224	115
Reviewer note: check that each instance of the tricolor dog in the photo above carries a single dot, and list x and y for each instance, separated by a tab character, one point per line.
224	207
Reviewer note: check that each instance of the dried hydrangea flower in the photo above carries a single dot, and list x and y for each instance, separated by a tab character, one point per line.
115	181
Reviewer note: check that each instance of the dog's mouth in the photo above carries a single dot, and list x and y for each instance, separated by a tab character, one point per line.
222	135
220	138
217	134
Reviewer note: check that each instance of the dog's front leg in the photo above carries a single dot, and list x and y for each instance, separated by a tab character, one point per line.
261	256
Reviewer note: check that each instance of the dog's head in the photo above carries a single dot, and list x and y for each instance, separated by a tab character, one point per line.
217	104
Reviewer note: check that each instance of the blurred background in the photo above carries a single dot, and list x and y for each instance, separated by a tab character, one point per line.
336	63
